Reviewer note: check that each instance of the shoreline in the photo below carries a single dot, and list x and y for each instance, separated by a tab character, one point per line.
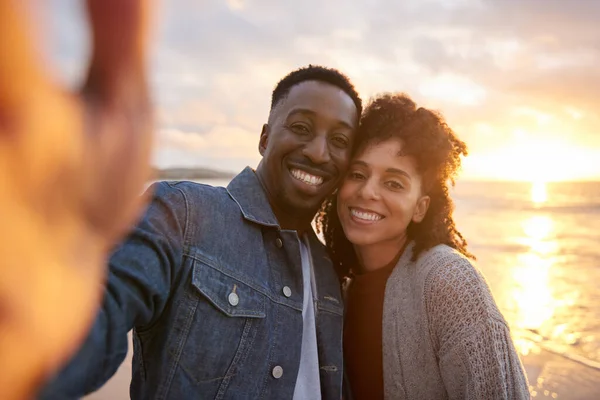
553	375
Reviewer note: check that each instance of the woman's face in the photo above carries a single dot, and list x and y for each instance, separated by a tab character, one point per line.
381	195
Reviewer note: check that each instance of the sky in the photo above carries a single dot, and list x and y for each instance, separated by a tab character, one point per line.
519	81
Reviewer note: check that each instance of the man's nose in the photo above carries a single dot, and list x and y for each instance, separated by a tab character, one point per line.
317	150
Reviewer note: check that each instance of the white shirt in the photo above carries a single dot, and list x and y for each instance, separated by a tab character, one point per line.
308	384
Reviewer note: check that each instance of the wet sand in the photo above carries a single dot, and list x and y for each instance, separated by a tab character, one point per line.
551	376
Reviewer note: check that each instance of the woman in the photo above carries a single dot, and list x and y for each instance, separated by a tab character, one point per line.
421	322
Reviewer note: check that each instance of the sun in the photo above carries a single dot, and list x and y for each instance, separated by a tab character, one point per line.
535	161
538	192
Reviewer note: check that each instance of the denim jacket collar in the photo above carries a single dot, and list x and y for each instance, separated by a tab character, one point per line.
249	194
247	191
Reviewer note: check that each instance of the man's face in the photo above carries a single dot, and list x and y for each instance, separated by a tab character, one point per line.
306	147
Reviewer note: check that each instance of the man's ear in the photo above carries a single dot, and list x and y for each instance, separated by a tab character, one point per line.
264	139
421	209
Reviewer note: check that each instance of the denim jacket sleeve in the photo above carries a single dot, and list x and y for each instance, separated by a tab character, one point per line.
142	272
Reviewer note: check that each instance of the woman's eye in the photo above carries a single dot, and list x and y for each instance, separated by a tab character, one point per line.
356	175
395	185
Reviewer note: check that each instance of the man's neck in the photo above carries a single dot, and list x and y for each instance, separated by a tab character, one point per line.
288	220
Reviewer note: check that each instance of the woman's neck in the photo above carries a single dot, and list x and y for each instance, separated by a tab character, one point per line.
380	255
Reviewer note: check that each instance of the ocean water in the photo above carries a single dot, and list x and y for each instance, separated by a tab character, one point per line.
538	246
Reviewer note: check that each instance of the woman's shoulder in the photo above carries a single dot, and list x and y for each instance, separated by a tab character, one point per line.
438	267
434	263
453	280
446	260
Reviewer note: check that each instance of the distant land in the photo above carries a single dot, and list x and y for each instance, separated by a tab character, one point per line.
195	173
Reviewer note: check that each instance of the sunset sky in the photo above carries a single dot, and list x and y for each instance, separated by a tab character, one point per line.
519	81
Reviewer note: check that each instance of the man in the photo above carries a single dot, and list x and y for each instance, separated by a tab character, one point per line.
72	165
229	292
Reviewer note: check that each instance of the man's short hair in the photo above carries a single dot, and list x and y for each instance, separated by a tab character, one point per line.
315	73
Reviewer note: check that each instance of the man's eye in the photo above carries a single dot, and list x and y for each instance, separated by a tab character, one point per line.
340	141
300	129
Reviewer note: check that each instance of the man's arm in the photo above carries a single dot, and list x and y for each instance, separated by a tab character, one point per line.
140	280
72	166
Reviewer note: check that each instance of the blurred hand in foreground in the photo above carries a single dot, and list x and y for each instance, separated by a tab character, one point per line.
72	167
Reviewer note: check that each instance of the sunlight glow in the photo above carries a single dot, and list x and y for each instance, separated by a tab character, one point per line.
538	192
236	5
453	88
530	160
536	304
534	293
574	113
536	229
534	297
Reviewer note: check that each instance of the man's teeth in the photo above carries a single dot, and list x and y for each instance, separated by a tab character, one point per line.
307	178
365	215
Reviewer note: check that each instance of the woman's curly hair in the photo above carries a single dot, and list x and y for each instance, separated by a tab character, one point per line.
437	151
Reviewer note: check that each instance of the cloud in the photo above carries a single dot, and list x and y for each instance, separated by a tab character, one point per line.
223	147
480	62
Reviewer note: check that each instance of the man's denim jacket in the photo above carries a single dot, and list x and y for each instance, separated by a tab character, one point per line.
201	281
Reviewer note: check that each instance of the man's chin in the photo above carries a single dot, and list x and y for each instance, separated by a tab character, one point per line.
303	208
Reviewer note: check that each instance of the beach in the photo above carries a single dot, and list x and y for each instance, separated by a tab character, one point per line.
555	377
550	377
537	246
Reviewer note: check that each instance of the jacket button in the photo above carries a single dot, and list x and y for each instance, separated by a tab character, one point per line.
233	299
287	292
278	243
277	372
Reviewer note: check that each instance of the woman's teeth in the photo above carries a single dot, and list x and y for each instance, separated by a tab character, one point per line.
367	216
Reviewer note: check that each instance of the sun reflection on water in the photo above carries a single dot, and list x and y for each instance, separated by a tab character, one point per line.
537	229
533	293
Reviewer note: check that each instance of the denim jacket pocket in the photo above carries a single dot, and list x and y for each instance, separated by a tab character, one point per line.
330	305
230	295
226	315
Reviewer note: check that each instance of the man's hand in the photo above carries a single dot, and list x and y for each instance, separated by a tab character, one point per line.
72	168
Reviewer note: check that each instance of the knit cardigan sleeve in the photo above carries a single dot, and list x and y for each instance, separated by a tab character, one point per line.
477	358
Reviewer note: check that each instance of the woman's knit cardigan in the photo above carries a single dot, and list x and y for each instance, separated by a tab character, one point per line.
443	335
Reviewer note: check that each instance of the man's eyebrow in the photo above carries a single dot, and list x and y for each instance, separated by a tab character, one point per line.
312	113
302	111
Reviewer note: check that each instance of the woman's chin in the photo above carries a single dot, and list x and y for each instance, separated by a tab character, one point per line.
358	238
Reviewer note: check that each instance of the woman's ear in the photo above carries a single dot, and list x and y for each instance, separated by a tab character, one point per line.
421	209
